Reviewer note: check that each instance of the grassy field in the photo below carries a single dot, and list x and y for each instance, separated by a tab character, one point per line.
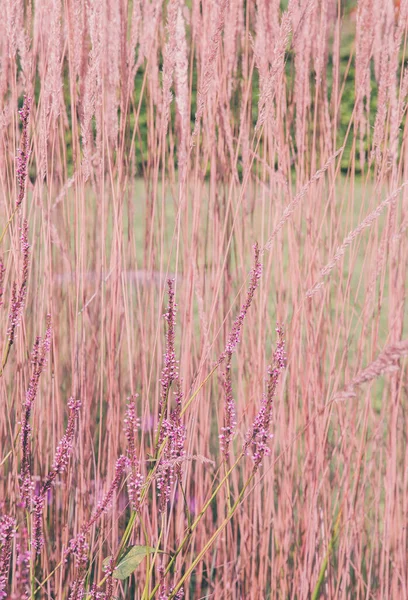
204	217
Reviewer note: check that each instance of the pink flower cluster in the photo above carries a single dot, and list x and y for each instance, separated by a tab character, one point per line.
108	593
109	580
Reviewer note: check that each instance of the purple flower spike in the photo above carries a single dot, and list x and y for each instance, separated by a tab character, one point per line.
2	272
7	531
235	334
24	150
103	506
259	434
22	570
79	548
135	479
170	467
170	370
172	429
227	432
59	465
39	357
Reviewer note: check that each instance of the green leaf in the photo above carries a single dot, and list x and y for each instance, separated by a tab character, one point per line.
129	561
106	560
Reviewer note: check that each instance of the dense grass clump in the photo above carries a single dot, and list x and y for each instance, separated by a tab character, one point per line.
203	281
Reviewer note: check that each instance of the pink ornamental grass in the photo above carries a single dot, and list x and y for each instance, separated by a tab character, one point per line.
18	295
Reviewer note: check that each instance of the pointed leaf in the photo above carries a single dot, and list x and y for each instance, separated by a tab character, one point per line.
106	560
131	560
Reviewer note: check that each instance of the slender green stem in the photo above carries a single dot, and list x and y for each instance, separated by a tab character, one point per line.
8	346
164	407
202	384
8	224
150	569
146	538
227	484
5	356
44	581
325	562
150	475
212	538
198	519
33	557
132	519
159	450
188	514
5	458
